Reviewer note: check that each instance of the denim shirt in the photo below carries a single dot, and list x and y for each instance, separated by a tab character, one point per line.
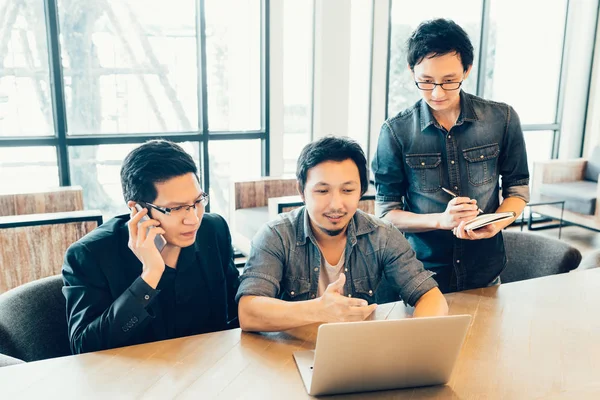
416	157
285	261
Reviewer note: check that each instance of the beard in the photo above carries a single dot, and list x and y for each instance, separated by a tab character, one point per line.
332	232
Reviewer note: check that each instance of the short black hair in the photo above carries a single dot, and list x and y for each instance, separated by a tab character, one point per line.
332	148
438	37
153	162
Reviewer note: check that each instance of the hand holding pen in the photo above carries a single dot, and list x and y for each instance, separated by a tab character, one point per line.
451	193
459	209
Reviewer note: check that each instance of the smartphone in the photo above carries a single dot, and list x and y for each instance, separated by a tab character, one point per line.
159	240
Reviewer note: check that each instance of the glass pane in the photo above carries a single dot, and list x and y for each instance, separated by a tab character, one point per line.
297	79
518	42
402	90
359	99
23	169
539	147
129	66
229	161
97	169
233	44
25	103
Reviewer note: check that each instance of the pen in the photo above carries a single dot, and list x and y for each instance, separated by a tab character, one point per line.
451	193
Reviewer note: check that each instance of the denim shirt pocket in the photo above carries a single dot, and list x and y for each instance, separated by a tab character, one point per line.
295	289
364	288
482	162
426	171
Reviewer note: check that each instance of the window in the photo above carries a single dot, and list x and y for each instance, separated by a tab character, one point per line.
298	65
132	70
233	43
231	161
25	105
20	173
129	66
404	18
524	57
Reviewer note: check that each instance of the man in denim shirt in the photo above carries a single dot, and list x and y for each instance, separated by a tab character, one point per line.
457	141
323	262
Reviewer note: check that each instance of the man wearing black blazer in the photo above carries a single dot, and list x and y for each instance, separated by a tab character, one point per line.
164	271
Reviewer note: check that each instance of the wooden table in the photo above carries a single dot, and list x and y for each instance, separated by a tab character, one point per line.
536	339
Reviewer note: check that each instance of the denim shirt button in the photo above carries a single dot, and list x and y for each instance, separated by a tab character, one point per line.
370	293
458	261
449	136
349	295
455	187
452	162
312	296
345	269
316	269
292	293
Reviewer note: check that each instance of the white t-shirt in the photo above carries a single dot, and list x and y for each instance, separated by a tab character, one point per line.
329	273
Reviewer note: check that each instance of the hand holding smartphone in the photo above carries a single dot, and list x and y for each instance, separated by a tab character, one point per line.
159	240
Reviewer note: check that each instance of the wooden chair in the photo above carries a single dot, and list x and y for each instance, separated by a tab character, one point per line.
35	231
47	201
249	206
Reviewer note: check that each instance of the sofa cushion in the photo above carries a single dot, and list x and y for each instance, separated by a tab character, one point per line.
249	220
592	168
579	196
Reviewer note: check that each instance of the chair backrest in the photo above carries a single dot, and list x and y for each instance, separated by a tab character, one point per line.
61	199
33	321
532	256
251	194
33	246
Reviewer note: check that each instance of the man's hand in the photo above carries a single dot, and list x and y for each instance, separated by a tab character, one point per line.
141	243
459	210
485	232
335	307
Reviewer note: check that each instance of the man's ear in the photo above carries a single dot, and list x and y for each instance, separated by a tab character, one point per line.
299	191
468	71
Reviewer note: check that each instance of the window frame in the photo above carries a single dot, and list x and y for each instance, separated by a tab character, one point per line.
62	140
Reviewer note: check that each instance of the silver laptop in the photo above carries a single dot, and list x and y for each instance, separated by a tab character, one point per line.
379	355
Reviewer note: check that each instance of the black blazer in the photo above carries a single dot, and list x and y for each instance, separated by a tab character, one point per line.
108	303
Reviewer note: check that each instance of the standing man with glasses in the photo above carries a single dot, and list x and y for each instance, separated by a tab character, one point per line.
121	289
450	142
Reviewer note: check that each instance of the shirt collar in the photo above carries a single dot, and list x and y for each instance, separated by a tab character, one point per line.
467	112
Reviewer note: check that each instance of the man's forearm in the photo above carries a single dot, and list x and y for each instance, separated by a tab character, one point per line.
410	222
514	204
431	304
266	314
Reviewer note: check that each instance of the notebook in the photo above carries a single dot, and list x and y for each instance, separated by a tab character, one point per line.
486	219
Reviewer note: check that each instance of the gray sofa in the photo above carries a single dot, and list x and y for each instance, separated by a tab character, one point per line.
574	181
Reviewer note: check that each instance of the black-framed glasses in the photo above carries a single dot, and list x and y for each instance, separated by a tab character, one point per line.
181	210
429	86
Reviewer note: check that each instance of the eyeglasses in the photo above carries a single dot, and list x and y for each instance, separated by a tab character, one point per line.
181	210
429	86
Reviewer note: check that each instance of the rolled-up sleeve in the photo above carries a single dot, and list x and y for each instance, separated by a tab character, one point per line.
264	269
389	173
403	270
513	159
